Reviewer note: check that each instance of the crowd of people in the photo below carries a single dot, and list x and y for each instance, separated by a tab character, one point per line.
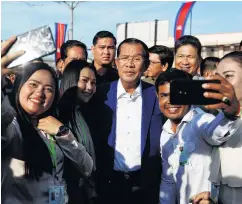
106	131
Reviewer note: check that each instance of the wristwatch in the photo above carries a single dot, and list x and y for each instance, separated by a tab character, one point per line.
63	130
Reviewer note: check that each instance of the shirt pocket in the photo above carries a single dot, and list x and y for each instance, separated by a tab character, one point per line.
190	148
183	158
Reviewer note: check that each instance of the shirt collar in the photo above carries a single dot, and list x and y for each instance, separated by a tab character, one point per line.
187	118
121	91
194	110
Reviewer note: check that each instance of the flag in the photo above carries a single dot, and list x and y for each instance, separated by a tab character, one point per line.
181	19
60	33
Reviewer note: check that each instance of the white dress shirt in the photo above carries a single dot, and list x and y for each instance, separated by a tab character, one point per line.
185	173
128	129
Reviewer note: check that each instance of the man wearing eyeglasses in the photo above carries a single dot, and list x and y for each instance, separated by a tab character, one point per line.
188	54
127	131
161	58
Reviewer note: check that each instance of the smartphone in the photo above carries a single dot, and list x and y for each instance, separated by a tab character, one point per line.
36	43
186	92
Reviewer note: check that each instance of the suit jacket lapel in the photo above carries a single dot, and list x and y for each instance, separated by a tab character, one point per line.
112	103
148	100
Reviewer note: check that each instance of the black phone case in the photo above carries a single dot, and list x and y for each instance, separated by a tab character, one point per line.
186	92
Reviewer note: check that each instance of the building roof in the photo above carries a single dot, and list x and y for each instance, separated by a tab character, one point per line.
216	39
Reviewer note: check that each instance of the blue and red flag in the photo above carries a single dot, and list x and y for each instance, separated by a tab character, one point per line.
60	34
181	19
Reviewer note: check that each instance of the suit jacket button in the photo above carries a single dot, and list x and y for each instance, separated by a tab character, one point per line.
126	176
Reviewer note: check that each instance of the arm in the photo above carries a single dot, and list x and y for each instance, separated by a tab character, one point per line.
73	150
8	58
76	152
7	115
225	124
7	111
217	130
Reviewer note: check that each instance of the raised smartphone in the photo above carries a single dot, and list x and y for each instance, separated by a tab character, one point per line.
36	43
186	92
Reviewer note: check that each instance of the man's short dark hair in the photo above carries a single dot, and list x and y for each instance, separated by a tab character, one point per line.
166	55
103	34
209	63
189	40
136	41
169	75
69	44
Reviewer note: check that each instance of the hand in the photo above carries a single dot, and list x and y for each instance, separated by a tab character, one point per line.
7	59
225	89
50	125
201	198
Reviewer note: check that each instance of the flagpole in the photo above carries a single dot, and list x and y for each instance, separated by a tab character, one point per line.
191	23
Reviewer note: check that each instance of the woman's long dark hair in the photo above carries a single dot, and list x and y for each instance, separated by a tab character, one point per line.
71	74
235	56
70	108
36	153
68	89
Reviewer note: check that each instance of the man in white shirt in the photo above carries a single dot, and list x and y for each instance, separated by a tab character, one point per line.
186	138
127	132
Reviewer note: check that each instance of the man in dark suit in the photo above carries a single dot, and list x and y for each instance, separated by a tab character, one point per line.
127	132
103	50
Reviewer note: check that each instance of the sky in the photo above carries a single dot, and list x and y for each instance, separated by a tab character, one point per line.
92	16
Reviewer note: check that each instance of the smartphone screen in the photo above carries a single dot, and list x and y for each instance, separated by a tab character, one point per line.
36	43
186	92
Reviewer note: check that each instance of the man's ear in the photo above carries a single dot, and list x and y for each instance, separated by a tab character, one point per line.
207	73
92	48
62	66
199	71
164	67
117	62
156	94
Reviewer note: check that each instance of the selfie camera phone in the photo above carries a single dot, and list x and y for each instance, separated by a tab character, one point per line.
36	43
187	92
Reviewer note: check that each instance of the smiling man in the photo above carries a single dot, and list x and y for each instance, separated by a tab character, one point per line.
188	54
187	138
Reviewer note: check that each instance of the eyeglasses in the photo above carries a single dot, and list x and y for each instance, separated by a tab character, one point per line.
135	59
187	57
152	63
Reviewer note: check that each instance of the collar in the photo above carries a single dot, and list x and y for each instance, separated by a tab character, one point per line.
186	119
194	110
121	91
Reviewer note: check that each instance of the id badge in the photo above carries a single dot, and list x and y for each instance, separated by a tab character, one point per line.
183	158
57	194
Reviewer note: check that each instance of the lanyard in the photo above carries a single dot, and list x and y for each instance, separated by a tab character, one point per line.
52	150
51	147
